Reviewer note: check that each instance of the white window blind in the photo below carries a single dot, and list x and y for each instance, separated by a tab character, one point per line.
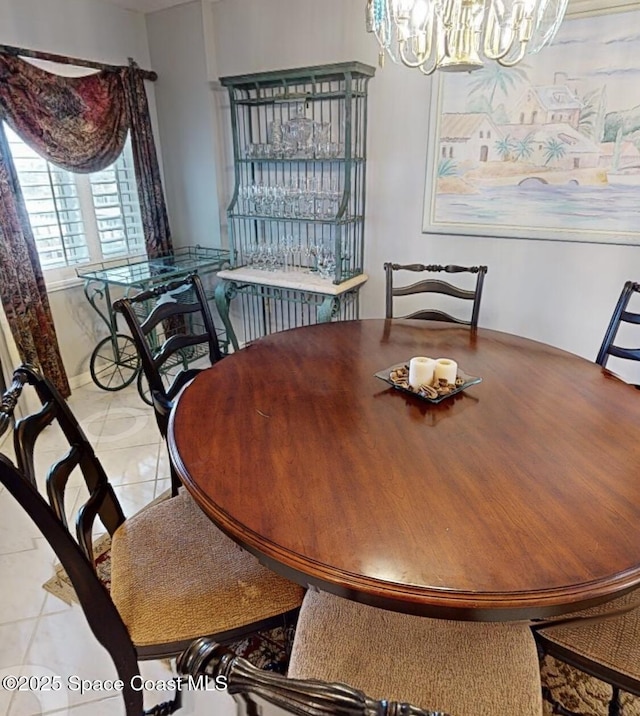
79	218
51	199
117	209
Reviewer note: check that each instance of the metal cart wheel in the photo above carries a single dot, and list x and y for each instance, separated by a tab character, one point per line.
180	361
114	362
143	389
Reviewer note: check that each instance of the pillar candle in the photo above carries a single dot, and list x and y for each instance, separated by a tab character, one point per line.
421	371
445	369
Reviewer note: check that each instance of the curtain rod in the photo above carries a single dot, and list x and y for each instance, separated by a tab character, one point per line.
36	54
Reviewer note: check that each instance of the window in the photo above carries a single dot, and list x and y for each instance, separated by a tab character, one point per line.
78	218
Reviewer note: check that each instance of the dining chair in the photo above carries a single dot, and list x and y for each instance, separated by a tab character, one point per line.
174	575
435	286
620	315
253	688
172	327
463	668
603	641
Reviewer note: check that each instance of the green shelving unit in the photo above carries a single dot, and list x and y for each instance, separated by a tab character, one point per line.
296	215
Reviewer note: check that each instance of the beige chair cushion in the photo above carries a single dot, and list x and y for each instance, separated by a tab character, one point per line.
462	668
613	642
175	576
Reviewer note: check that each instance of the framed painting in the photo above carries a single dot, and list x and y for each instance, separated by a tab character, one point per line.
548	149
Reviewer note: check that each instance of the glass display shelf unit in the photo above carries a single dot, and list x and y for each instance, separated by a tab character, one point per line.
114	361
298	199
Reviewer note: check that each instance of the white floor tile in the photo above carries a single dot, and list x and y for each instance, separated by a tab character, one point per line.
17	529
64	644
127	426
112	706
162	486
84	403
127	465
14	642
134	497
163	470
23	574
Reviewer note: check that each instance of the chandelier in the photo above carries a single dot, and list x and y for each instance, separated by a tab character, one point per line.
460	35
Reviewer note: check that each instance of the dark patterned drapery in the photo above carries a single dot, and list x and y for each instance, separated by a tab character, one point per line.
152	207
77	123
80	124
22	287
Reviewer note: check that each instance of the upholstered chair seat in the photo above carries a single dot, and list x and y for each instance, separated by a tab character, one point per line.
606	644
461	668
197	581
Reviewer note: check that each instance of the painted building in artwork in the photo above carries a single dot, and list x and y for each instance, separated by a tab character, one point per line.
551	104
468	139
556	145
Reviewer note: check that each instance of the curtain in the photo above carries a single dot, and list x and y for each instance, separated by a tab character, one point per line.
152	207
80	124
22	287
77	123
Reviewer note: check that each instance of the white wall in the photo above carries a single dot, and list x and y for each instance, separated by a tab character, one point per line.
88	29
557	292
187	123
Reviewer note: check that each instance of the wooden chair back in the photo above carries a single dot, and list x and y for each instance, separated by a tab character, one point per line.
253	688
171	326
74	551
620	315
435	286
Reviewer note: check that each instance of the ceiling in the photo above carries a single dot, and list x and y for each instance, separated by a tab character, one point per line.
147	5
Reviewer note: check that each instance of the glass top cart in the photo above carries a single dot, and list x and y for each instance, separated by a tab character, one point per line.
114	362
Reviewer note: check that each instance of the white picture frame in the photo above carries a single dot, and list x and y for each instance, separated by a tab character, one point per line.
549	149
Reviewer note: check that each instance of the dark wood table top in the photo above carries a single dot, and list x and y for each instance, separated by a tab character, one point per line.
518	498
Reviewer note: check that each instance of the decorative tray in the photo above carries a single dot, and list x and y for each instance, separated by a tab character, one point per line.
400	381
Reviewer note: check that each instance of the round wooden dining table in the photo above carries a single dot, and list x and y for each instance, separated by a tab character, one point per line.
517	498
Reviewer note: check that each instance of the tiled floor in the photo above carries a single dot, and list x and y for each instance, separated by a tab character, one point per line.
41	635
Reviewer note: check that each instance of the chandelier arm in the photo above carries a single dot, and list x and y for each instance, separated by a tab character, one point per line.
498	56
518	57
453	35
430	70
407	61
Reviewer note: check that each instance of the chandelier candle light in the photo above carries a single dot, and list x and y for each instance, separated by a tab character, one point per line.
460	35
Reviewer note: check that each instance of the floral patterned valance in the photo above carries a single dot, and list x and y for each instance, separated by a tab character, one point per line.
78	123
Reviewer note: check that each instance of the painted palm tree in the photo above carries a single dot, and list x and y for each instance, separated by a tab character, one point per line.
504	147
524	147
495	78
554	150
447	168
591	121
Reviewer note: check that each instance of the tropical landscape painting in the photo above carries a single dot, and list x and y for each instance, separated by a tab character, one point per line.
548	149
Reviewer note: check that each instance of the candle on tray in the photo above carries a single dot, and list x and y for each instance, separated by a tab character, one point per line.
445	369
421	371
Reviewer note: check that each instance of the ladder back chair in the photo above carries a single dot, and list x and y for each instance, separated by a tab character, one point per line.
171	326
603	641
462	668
174	575
435	286
252	687
620	315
